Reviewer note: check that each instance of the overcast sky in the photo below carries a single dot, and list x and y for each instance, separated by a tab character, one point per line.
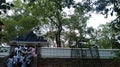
98	19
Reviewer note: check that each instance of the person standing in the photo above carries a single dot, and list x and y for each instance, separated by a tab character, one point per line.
15	60
23	63
29	58
10	61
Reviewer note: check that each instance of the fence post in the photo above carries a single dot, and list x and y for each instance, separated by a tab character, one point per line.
95	58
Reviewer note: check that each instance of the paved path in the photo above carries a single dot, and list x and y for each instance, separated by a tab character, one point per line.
34	62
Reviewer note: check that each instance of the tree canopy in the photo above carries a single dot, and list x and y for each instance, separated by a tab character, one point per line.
47	18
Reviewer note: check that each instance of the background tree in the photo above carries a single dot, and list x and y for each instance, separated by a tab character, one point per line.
76	25
105	34
46	15
53	15
1	34
35	14
107	8
4	7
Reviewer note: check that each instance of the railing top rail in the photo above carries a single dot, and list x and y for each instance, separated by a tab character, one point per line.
78	48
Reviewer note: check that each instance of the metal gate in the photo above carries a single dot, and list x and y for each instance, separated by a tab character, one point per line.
87	57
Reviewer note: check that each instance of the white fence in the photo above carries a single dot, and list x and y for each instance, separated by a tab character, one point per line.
55	52
47	52
4	51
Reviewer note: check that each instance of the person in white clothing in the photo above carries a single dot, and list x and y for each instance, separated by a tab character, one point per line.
16	49
33	51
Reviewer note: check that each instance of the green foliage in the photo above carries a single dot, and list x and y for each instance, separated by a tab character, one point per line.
36	14
108	7
106	37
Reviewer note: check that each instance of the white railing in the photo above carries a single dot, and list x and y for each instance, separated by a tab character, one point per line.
47	52
4	51
107	53
55	52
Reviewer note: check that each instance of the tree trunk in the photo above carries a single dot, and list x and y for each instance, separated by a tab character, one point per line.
58	40
59	24
58	33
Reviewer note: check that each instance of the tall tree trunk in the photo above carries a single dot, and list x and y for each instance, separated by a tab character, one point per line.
58	33
59	24
58	40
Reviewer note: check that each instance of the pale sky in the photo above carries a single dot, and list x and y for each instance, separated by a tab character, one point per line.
98	19
9	0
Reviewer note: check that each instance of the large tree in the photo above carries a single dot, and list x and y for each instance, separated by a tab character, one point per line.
34	14
107	8
50	13
46	15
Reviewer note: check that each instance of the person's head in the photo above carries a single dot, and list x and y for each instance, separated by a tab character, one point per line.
10	56
17	46
33	46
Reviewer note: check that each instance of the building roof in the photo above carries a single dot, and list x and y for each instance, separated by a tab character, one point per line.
29	38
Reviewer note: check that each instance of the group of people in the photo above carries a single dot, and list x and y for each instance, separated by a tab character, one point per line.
22	56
